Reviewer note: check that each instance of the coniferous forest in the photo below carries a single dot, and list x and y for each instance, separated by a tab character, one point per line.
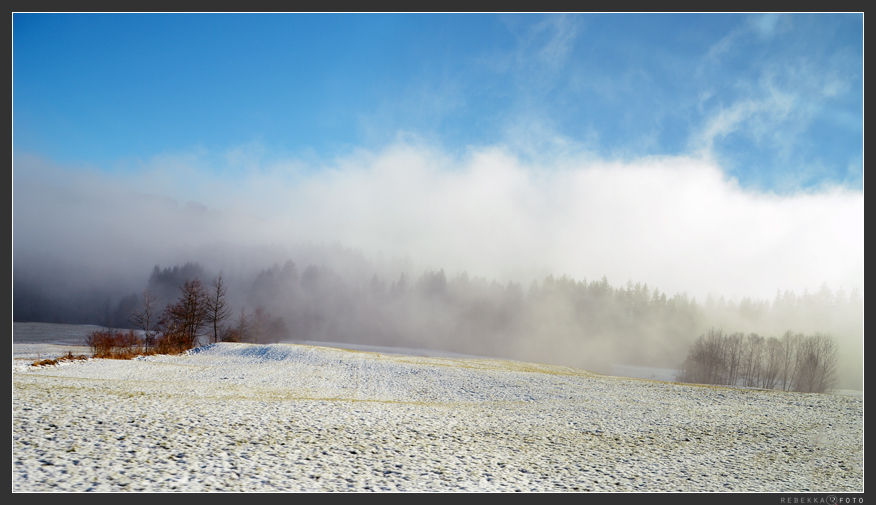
588	323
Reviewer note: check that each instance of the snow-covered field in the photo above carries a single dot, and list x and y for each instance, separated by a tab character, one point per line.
241	417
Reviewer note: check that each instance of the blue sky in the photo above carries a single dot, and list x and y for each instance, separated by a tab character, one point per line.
271	111
778	99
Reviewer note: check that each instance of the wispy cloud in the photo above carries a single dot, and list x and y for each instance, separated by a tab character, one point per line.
780	100
541	52
758	27
755	118
550	41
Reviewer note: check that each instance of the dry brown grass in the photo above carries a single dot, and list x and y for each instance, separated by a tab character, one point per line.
172	344
68	357
111	344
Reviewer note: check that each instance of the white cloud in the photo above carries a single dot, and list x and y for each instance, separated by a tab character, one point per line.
676	223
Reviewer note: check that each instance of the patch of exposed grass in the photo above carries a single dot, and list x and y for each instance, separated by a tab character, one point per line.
53	362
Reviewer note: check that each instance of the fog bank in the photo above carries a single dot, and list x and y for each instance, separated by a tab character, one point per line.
673	222
482	252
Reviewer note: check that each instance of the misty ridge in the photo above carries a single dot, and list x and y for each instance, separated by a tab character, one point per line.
339	295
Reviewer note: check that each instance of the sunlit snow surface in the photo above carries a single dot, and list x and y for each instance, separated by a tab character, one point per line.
242	417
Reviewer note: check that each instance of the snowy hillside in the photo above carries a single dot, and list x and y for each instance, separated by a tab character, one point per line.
298	417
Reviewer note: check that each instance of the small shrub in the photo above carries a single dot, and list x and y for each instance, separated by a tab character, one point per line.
172	343
100	342
111	344
115	345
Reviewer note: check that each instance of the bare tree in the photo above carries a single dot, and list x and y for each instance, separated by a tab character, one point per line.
771	364
733	346
240	330
277	329
183	320
705	363
789	361
817	358
828	372
259	323
264	328
752	354
216	306
807	365
146	318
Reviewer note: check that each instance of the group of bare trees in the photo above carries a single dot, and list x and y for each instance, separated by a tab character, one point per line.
795	362
198	312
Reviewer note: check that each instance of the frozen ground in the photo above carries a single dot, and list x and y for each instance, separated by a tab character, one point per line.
51	333
242	417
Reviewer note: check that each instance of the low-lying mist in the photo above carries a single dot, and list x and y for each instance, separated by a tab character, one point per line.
571	261
341	296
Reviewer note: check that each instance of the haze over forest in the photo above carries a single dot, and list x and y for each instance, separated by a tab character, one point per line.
519	195
337	294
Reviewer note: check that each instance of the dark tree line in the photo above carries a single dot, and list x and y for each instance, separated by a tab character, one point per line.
559	319
585	323
548	319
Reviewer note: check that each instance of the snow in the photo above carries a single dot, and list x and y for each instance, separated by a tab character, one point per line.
292	417
642	372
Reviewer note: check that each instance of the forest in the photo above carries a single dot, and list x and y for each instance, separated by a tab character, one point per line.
585	323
